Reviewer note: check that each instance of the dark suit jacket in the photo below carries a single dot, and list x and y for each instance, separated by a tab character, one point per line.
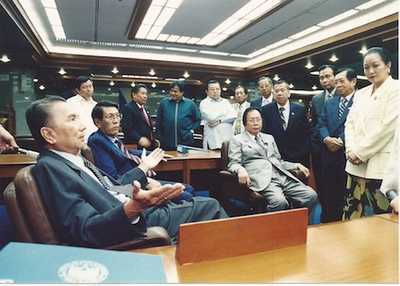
81	210
134	124
294	142
256	103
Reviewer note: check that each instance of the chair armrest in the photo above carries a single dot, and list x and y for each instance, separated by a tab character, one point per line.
155	236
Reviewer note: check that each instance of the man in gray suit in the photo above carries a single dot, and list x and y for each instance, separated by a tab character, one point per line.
88	207
327	81
255	158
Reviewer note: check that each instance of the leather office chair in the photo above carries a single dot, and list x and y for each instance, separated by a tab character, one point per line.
32	223
232	190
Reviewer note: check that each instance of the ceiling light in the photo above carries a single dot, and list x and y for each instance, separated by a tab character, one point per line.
315	73
5	59
291	85
193	40
314	87
62	71
276	77
186	74
181	49
142	32
162	37
305	32
300	100
173	3
164	17
154	32
214	53
152	72
333	58
183	39
369	4
53	16
163	91
309	65
239	56
35	80
224	89
112	83
133	84
42	87
115	70
228	81
173	38
363	50
153	85
338	18
49	4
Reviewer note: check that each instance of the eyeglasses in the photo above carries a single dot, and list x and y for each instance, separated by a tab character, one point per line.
113	116
254	120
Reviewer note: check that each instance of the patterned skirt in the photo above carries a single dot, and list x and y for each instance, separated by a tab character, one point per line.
363	198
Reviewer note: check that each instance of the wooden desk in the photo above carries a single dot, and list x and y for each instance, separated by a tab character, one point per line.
363	250
186	163
11	163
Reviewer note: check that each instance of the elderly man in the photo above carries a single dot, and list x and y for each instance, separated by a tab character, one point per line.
333	158
265	89
288	124
88	208
240	105
218	116
255	158
83	103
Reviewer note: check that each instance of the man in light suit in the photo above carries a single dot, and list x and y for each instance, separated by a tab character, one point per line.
327	81
265	88
333	157
288	124
88	208
255	158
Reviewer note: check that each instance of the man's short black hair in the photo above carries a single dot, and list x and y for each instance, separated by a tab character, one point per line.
137	87
179	84
37	116
281	81
249	109
97	112
268	79
81	80
244	89
327	67
211	81
350	73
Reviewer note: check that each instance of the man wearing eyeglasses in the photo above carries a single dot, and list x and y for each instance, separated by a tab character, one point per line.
112	157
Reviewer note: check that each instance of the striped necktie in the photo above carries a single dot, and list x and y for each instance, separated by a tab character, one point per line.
342	107
97	173
281	110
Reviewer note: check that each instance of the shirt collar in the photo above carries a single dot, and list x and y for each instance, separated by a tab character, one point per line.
217	100
81	98
286	106
348	98
251	135
140	106
75	159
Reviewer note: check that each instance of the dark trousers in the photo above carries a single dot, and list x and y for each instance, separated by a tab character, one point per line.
317	166
333	186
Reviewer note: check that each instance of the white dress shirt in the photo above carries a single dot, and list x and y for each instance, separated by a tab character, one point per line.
84	108
265	101
213	110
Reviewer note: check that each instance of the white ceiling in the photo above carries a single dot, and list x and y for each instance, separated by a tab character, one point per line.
194	18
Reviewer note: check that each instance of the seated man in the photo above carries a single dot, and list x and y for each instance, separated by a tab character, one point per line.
110	154
84	207
255	158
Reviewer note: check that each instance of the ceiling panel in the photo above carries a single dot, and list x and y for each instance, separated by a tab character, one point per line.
77	17
196	18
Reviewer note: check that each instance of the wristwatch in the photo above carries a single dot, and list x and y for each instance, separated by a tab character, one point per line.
391	195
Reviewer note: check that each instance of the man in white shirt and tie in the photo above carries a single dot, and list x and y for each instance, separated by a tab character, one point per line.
84	103
218	116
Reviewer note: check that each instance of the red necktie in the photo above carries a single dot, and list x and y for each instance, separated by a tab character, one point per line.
145	116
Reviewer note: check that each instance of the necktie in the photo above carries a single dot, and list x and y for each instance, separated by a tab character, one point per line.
260	143
97	173
132	157
281	110
145	116
342	107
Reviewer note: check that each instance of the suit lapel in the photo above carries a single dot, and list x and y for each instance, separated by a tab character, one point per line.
292	115
254	144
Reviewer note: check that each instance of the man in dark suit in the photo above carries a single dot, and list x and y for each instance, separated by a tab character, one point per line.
136	121
111	155
333	158
265	89
327	81
287	123
87	208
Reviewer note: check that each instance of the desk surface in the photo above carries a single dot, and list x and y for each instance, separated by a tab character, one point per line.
16	159
363	250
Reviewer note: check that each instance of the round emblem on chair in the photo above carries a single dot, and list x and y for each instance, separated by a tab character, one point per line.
83	271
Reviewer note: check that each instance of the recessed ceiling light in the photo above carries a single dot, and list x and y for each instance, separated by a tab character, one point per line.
315	73
186	74
300	100
112	83
228	81
291	85
276	77
115	70
152	72
35	80
42	87
224	89
333	58
309	65
153	85
133	84
314	87
363	50
5	59
62	71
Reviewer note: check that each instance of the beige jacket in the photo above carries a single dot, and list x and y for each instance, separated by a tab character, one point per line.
370	128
